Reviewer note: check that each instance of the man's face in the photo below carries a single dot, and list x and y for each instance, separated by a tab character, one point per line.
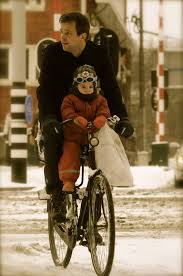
69	38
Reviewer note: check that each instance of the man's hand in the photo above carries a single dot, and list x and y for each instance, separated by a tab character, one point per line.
52	127
124	128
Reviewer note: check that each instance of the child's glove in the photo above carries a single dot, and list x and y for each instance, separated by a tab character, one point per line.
99	121
81	121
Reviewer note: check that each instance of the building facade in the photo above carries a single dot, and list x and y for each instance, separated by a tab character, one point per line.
41	22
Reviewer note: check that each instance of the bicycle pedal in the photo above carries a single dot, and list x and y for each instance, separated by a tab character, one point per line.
61	227
84	243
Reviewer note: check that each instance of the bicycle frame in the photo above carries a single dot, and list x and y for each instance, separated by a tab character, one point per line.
93	225
80	221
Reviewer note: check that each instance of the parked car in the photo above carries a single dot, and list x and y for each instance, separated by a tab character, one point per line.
178	170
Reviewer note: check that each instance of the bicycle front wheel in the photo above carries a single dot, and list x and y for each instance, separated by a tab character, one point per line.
60	251
101	225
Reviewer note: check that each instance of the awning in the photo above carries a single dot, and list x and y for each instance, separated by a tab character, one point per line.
109	19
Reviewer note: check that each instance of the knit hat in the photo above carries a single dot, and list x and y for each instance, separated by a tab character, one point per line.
85	73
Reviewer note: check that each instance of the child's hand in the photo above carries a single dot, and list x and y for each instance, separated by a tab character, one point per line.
99	121
81	121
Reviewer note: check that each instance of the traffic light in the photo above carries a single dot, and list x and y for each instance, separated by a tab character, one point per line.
109	39
154	99
154	78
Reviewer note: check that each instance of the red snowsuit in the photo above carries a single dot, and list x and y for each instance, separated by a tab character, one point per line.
75	135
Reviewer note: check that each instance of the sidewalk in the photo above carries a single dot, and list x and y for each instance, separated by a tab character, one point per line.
35	179
145	177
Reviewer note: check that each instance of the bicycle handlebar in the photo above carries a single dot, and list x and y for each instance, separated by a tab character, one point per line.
112	121
66	121
89	126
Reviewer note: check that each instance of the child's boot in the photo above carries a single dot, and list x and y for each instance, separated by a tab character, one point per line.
68	187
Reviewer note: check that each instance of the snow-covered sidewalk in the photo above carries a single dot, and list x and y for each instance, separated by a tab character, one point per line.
146	177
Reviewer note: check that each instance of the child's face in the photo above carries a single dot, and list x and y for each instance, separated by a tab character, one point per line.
86	87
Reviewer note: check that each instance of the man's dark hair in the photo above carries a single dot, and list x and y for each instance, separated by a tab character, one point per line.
81	21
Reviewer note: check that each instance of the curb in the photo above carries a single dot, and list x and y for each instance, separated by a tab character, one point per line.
151	197
6	189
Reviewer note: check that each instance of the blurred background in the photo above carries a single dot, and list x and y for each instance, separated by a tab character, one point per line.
131	32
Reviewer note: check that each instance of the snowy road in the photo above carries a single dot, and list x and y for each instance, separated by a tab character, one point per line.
29	255
135	210
150	241
149	223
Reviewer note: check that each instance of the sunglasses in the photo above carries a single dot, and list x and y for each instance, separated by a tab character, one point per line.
88	78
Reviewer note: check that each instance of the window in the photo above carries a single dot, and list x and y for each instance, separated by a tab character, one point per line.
5	4
6	69
35	5
31	5
4	62
27	64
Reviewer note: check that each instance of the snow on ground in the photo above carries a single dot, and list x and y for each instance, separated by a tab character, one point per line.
152	176
143	177
134	256
29	254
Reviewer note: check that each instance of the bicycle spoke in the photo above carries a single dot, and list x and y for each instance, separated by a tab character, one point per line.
60	251
102	223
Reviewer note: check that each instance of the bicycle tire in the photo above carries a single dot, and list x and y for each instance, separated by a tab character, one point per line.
102	220
60	251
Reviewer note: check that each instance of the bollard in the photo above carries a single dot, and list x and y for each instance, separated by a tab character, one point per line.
18	134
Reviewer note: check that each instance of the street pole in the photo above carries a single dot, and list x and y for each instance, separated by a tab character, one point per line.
160	113
83	4
141	81
18	94
160	148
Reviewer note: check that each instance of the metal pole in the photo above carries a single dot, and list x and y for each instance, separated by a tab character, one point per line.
141	80
83	6
124	6
160	147
160	113
18	94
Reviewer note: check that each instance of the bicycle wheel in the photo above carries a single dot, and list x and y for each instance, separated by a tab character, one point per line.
101	225
60	250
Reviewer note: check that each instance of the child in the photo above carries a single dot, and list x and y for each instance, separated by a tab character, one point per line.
83	104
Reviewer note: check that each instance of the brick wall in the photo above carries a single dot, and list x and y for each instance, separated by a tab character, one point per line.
39	25
4	103
5	27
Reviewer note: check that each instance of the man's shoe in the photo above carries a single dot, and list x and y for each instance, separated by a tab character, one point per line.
59	205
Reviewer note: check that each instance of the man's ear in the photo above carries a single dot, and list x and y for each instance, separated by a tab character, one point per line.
84	36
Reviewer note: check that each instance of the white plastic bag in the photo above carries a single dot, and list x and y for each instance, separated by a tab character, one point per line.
111	158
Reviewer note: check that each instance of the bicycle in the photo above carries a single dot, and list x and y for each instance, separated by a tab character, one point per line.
90	216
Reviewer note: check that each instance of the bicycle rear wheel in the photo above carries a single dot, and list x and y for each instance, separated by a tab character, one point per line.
101	225
60	250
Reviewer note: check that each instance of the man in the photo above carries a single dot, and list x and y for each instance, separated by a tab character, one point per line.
59	63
